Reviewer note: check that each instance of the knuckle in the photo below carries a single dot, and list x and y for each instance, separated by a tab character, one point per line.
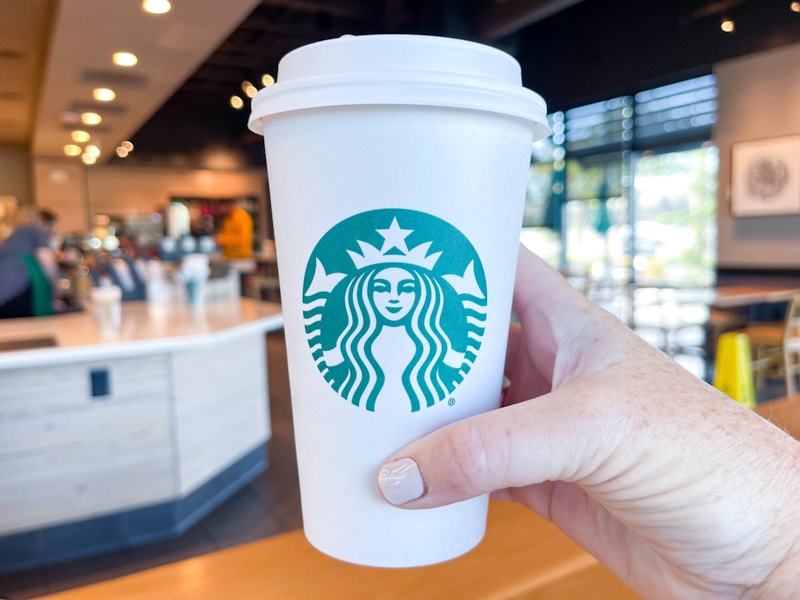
467	473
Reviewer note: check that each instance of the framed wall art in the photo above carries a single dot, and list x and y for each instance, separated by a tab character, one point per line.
765	177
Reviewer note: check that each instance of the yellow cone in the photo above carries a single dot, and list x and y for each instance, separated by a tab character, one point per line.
733	371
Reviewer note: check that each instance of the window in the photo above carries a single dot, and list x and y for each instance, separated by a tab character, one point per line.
674	236
644	160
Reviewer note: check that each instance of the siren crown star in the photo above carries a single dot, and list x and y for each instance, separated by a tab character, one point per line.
394	250
394	237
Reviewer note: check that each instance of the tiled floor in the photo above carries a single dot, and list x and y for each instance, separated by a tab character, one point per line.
269	505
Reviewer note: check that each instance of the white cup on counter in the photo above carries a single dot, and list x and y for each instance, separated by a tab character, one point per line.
106	306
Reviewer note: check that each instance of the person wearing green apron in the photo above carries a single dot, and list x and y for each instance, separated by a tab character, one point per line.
28	269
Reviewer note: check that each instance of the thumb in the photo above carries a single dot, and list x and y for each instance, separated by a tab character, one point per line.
511	447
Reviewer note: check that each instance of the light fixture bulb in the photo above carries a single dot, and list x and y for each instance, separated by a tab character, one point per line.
122	152
249	89
237	102
124	59
727	25
92	150
91	118
88	159
72	150
127	145
795	6
103	94
156	7
267	80
80	136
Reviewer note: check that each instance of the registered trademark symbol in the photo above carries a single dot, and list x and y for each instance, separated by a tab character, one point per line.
451	402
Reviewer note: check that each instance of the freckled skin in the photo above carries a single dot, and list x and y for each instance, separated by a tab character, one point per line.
681	491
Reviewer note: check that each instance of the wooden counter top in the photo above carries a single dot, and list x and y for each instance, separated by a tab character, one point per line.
145	327
522	556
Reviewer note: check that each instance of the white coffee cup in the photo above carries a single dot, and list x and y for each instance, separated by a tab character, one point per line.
397	168
106	305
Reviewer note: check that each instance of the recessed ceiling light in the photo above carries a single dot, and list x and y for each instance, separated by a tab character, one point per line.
88	159
727	25
80	136
237	102
127	145
267	80
103	94
91	118
156	7
72	150
124	59
92	150
122	152
795	6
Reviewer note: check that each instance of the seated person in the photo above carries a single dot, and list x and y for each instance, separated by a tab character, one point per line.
124	269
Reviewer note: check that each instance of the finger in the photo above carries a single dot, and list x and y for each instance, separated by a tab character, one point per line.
562	334
550	310
514	446
542	296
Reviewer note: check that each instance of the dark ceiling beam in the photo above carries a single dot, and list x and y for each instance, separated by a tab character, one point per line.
716	8
306	28
503	18
349	10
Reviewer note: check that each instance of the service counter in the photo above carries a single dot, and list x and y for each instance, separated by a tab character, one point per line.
113	442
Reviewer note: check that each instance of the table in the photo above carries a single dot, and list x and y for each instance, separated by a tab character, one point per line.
522	556
783	412
732	296
670	310
109	442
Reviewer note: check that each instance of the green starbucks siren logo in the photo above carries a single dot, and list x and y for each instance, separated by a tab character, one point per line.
394	303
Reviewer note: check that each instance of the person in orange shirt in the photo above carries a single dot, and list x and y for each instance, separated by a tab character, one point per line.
236	233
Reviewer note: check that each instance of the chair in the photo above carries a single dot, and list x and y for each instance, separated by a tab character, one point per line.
682	320
776	347
791	347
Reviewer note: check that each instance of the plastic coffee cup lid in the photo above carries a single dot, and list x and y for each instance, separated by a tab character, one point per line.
401	70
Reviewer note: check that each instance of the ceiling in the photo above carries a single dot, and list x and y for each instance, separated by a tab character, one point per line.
53	54
174	104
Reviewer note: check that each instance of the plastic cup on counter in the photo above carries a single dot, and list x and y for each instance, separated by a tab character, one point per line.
106	306
195	271
398	166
